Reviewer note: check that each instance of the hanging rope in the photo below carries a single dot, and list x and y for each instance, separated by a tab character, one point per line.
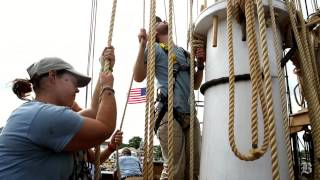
268	86
264	90
149	114
145	144
255	152
170	93
308	88
191	98
131	81
106	68
282	89
151	66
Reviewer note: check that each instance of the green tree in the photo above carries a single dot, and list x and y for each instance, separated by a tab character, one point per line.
157	153
135	142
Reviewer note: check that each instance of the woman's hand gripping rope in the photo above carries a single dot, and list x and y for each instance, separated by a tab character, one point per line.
107	59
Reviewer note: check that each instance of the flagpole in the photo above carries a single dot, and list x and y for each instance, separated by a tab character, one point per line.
125	106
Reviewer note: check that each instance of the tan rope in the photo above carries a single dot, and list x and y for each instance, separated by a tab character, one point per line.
252	41
308	51
255	73
191	99
268	82
105	68
170	93
310	92
255	152
254	69
282	90
146	127
148	174
253	59
145	144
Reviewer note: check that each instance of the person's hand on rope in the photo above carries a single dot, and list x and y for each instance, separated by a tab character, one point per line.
106	78
201	58
108	58
143	37
116	140
201	55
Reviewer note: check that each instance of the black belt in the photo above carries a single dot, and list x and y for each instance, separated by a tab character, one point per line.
123	178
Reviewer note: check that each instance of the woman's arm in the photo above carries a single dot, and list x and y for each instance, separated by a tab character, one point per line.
116	141
99	120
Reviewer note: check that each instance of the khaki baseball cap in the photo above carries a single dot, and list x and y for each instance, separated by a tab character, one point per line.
53	63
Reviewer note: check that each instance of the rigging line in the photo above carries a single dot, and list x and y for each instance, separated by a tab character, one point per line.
165	10
93	9
125	106
306	4
197	8
174	23
313	6
188	25
144	14
93	45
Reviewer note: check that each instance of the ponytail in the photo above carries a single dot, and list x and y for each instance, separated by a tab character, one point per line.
22	88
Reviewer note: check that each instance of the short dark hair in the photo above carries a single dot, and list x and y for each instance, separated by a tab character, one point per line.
126	151
158	19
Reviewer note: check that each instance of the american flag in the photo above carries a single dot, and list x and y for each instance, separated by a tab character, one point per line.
137	95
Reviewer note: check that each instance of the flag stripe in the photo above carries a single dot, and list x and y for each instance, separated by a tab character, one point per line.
137	95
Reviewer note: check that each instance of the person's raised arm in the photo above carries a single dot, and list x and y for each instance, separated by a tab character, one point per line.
107	54
95	131
139	71
201	58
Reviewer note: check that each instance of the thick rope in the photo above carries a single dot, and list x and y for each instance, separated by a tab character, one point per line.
150	91
308	51
255	152
310	92
282	89
252	43
106	68
268	82
146	127
191	99
146	123
249	14
170	93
